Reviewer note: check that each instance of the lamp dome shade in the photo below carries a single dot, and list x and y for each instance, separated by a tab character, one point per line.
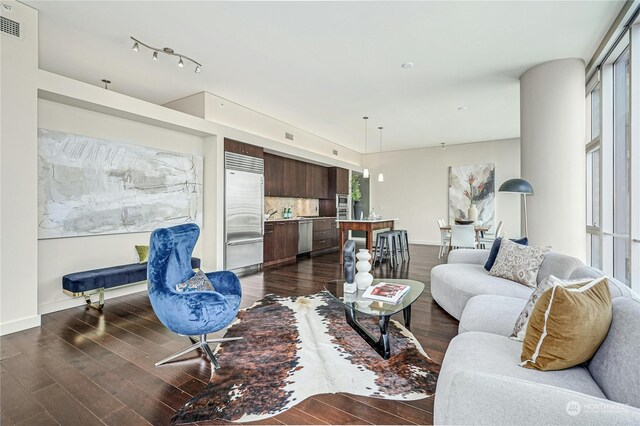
520	186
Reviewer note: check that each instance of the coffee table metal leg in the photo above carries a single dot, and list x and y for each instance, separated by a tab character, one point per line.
406	312
381	345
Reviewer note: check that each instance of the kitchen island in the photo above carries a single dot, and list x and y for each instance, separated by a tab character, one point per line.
368	226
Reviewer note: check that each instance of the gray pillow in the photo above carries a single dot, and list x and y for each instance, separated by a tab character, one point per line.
199	282
519	263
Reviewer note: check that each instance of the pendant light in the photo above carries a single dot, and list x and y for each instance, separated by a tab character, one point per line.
380	175
365	172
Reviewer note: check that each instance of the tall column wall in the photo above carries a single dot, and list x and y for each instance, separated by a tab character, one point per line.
552	125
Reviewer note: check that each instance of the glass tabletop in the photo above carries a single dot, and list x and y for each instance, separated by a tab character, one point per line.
375	307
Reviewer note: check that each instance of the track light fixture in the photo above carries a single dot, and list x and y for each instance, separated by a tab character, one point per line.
166	51
442	143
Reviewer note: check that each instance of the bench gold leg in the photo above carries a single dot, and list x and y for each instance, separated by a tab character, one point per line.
95	305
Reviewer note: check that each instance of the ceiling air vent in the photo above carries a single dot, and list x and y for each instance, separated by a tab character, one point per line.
335	152
288	136
10	27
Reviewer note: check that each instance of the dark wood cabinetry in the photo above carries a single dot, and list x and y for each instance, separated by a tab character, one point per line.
280	242
317	185
294	179
338	181
286	177
238	147
273	175
324	234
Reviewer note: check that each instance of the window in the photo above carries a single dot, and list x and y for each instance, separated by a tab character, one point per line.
612	156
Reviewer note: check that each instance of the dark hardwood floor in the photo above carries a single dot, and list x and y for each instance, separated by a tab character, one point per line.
84	367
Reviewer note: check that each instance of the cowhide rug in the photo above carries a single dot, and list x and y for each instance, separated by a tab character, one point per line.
296	347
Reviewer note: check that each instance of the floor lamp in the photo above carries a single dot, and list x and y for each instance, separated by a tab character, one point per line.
519	186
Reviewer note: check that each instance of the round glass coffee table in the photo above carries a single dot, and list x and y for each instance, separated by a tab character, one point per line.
356	303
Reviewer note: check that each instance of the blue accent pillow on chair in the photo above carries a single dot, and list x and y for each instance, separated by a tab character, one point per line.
495	248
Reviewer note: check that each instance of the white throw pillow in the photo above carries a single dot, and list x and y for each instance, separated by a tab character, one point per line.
519	263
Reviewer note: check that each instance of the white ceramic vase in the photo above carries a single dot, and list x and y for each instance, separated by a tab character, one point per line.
473	213
363	266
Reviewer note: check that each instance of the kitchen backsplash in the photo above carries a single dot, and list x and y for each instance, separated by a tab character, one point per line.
299	206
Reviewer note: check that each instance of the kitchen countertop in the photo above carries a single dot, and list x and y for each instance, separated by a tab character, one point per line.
367	221
293	219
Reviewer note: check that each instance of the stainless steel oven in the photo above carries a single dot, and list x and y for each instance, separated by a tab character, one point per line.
342	206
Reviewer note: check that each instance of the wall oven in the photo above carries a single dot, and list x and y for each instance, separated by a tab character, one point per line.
342	206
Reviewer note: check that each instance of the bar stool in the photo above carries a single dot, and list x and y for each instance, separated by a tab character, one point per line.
404	243
387	244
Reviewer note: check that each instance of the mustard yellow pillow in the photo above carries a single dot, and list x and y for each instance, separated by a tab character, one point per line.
143	253
567	325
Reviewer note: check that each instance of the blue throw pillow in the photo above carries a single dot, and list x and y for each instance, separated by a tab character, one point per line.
199	282
496	247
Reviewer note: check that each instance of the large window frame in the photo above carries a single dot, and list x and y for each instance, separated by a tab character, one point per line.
605	242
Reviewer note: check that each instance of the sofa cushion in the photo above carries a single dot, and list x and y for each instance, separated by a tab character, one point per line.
567	325
452	285
615	365
495	248
491	314
486	353
559	265
519	263
616	287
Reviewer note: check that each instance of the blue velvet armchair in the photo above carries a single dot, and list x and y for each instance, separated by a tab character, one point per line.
195	313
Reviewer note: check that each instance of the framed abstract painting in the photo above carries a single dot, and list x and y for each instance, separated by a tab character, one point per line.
472	193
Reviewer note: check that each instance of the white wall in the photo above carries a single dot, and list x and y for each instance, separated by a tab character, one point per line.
267	131
553	154
416	185
60	256
18	179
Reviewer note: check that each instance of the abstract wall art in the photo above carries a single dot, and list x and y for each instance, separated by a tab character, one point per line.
474	184
90	186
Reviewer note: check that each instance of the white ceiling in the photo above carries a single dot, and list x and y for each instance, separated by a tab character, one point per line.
321	66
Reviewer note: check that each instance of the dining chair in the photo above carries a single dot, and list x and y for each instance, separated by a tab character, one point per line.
488	240
463	236
445	238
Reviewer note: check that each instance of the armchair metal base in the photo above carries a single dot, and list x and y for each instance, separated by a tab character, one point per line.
203	344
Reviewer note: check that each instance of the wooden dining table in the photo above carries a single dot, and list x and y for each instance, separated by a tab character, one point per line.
368	226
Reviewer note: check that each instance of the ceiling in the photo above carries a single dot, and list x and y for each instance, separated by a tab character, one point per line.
321	66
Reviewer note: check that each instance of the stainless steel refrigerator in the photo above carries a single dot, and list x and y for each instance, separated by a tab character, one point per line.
244	206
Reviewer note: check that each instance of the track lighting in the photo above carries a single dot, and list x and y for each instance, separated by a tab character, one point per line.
442	143
166	51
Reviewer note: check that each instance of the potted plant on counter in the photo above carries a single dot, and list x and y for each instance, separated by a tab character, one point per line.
356	196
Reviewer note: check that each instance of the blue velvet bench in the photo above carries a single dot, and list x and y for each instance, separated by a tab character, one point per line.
87	283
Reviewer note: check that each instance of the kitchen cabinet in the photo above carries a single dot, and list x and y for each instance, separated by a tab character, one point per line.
317	181
268	253
338	181
295	176
323	237
238	147
280	242
273	175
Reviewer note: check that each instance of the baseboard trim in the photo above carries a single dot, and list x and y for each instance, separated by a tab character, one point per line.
19	325
72	302
425	243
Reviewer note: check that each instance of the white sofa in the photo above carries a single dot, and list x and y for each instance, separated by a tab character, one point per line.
481	381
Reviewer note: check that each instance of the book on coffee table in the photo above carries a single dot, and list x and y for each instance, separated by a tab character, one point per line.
386	292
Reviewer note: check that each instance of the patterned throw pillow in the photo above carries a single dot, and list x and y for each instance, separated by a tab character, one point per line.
199	282
521	323
495	248
518	263
567	325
